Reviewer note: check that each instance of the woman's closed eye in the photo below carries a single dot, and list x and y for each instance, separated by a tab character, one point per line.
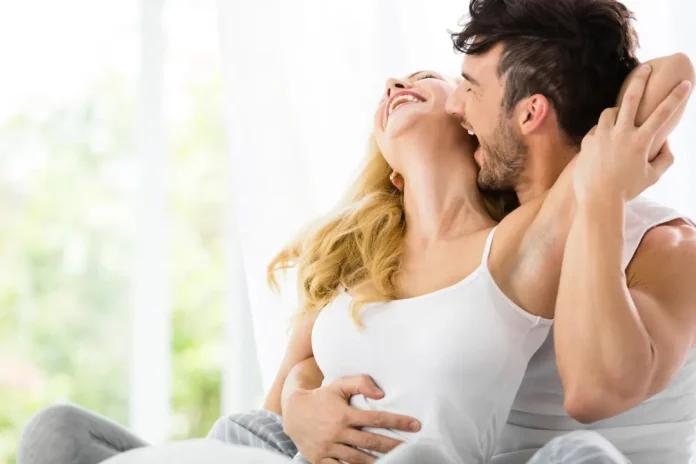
425	75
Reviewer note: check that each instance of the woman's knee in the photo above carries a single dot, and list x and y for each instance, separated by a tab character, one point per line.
53	427
57	416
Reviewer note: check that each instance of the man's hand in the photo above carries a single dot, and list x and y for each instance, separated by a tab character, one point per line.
326	429
614	160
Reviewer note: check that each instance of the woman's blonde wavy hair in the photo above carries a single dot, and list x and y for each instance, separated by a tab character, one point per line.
359	242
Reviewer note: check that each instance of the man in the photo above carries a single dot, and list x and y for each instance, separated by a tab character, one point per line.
626	305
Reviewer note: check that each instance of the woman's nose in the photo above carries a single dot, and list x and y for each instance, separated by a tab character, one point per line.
456	103
394	85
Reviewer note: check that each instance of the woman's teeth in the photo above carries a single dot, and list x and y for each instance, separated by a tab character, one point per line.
402	99
471	132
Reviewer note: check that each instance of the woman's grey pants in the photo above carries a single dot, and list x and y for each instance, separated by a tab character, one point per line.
66	434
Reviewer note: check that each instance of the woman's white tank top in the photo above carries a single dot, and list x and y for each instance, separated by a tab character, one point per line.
453	359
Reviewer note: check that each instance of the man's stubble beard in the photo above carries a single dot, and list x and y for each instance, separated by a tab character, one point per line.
506	156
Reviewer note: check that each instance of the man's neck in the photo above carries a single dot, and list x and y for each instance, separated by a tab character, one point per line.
542	171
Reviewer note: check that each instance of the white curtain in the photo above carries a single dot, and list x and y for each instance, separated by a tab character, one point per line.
150	380
302	79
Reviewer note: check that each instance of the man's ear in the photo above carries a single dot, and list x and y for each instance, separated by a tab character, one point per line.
531	112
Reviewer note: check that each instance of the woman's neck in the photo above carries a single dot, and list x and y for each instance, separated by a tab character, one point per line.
442	200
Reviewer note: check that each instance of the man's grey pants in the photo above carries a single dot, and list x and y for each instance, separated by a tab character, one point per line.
65	434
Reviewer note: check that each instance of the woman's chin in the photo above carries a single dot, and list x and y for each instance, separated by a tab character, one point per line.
397	128
418	124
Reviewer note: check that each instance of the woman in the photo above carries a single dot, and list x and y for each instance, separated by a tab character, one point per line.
391	245
416	249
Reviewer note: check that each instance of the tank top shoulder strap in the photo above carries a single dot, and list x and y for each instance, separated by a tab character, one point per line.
487	247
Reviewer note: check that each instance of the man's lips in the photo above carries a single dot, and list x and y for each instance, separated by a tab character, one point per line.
478	149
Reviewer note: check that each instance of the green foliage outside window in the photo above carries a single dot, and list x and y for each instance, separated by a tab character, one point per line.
68	210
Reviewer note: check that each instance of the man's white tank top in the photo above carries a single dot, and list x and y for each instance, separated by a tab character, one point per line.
453	359
660	430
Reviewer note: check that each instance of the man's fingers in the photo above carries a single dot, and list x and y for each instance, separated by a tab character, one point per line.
359	385
666	109
382	420
368	441
632	97
662	162
328	461
351	455
607	119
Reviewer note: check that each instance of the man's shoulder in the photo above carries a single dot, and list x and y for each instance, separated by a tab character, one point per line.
668	249
673	236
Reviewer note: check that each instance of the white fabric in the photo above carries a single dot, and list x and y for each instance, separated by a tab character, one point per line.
198	451
453	359
659	430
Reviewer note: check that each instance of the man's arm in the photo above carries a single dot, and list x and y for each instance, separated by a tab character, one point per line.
320	419
546	221
621	336
621	339
324	426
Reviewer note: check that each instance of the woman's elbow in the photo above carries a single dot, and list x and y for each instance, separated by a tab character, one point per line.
668	72
679	68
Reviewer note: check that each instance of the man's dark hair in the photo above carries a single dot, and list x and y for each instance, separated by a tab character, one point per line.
576	53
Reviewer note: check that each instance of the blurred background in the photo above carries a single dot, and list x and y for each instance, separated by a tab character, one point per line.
155	154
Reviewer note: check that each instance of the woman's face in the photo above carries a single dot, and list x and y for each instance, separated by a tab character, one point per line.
416	106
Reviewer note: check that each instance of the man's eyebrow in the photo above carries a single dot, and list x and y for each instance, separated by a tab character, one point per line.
470	79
